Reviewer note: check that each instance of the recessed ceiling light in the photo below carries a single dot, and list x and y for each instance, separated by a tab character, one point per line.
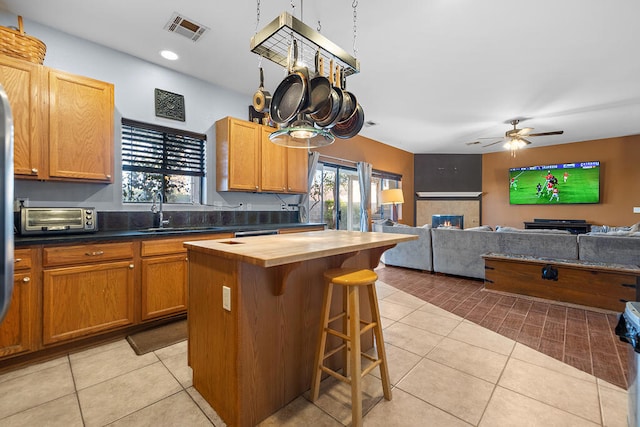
167	54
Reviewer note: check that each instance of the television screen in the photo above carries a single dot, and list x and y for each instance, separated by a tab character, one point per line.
555	184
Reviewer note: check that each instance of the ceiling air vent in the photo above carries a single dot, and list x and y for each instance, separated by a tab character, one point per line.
185	27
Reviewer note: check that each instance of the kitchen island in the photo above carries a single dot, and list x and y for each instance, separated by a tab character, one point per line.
254	313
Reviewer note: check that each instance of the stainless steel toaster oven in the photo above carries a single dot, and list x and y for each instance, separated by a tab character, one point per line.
58	220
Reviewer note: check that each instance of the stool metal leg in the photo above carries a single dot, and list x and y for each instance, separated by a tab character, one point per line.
322	341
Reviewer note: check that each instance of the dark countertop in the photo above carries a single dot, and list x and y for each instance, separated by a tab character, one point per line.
21	241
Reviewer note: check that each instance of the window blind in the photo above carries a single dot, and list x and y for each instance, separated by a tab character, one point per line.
157	149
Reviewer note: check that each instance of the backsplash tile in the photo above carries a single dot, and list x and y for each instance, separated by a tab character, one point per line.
132	220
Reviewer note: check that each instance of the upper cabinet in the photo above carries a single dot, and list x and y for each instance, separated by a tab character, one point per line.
23	83
80	128
246	160
63	123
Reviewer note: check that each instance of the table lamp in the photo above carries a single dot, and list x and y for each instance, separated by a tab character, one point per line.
392	196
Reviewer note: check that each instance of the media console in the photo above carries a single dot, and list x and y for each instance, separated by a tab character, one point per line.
575	226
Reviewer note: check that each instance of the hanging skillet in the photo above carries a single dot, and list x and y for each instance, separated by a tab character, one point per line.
350	127
262	98
319	87
349	100
331	112
291	95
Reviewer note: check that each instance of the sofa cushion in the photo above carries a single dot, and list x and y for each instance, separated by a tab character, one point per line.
610	248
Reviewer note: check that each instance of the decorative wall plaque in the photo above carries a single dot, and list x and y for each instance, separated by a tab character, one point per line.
169	105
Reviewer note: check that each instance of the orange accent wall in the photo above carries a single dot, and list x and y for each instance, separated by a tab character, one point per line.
619	183
382	157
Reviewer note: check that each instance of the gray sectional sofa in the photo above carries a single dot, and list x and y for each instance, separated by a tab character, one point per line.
413	254
459	252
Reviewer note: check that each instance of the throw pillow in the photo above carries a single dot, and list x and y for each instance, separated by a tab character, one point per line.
480	228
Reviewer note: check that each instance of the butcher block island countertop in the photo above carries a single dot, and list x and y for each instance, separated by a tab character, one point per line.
254	314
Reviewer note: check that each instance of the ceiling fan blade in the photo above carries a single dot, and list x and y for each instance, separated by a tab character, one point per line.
557	132
493	143
491	137
525	141
524	131
472	143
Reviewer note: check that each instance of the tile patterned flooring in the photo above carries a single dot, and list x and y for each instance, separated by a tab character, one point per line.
581	338
446	370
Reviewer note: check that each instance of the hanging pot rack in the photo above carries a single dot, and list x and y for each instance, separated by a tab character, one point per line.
273	41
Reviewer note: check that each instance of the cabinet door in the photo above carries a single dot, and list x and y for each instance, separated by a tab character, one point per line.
16	328
164	286
87	299
22	82
237	155
274	163
80	128
297	170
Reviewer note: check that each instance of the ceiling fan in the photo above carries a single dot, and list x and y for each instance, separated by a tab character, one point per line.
515	138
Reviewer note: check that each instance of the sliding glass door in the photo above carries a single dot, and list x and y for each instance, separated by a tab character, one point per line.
334	197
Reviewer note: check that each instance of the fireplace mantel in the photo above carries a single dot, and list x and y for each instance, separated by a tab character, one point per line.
448	194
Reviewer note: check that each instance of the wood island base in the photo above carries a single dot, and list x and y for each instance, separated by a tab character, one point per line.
252	360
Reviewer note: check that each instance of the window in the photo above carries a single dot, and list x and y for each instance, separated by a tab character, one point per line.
156	158
334	196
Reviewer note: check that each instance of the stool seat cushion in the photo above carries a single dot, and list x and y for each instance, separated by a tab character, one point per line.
351	276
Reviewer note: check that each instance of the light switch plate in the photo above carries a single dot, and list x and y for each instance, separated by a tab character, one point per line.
636	209
226	298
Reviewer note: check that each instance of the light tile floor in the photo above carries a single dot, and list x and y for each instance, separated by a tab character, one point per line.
445	371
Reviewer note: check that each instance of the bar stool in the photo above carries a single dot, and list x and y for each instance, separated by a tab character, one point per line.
351	280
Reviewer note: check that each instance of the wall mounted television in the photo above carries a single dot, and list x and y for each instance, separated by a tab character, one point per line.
564	183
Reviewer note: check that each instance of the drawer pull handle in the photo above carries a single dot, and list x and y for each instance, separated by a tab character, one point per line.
26	280
131	266
18	260
94	253
34	171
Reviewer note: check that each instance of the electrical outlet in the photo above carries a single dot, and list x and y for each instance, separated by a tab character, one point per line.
226	298
636	209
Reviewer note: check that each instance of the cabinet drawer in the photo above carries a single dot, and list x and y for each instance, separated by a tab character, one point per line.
22	259
176	245
62	255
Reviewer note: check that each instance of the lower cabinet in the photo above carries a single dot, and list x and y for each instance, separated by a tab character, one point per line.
92	297
164	275
17	328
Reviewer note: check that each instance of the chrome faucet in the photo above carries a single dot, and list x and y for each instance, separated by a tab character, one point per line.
158	209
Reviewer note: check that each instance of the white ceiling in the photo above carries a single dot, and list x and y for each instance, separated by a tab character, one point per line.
435	74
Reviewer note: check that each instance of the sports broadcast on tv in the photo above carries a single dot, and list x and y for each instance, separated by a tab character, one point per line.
564	183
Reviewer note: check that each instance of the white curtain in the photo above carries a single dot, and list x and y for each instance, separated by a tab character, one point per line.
303	209
364	178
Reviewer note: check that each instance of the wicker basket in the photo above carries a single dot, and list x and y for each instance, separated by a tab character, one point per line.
17	44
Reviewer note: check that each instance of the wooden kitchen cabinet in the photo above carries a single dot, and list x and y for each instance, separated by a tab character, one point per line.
87	289
164	275
17	328
63	123
284	170
297	170
246	160
80	128
22	80
237	155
